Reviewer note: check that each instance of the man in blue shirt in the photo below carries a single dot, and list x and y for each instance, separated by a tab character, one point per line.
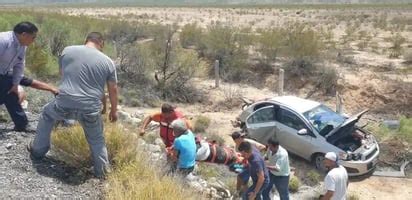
257	171
184	147
13	45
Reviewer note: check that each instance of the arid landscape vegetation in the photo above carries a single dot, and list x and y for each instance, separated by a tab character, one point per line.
361	53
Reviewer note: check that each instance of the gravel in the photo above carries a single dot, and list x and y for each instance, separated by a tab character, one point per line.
24	178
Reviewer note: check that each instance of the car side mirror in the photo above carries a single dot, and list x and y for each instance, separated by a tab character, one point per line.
303	131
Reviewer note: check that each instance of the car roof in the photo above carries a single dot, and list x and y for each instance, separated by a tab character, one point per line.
295	103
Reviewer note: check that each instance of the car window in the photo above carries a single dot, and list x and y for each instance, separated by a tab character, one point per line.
291	120
263	115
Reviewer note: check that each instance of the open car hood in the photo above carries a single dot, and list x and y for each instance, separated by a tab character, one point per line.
348	122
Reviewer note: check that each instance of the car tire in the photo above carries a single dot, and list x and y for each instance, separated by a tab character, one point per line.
318	161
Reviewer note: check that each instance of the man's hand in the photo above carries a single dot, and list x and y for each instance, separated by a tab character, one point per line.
54	91
113	116
14	89
252	195
142	132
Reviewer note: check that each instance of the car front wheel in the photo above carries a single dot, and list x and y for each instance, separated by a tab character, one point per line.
318	161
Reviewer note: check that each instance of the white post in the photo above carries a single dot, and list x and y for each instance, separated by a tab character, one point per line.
338	103
281	81
217	76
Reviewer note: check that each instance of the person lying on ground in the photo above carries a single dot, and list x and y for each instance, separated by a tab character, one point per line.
209	151
167	115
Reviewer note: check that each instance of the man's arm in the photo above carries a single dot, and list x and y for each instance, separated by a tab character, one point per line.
44	86
112	88
146	122
259	183
328	195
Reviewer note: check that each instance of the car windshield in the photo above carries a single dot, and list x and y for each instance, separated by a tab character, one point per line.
322	117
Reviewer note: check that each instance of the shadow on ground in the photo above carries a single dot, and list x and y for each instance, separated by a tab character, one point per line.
53	168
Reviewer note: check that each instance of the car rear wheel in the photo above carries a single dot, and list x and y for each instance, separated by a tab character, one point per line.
318	161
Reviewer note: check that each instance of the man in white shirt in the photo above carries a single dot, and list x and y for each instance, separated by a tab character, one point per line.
279	170
336	181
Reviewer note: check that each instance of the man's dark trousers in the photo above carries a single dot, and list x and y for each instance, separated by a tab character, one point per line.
11	101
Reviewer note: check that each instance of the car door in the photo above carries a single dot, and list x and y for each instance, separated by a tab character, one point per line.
261	124
289	123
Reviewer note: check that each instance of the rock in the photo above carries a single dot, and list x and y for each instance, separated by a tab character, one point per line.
391	124
10	145
158	141
153	148
124	116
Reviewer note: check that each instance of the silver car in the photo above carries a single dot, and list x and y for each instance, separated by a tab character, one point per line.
310	129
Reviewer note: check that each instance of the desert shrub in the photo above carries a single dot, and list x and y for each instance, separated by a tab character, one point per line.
191	35
270	42
397	40
227	45
407	56
4	25
231	97
56	35
327	79
40	62
353	196
405	129
313	177
300	67
201	124
294	184
302	41
135	63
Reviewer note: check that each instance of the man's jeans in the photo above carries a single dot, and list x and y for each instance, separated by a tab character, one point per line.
282	186
245	195
91	121
11	101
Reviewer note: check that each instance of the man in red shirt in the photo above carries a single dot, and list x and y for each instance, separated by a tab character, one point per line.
167	115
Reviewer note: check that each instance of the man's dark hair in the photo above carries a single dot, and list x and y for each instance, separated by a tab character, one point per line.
245	146
273	141
25	27
95	37
167	108
235	135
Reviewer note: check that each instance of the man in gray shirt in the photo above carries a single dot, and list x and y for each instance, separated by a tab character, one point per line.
85	70
13	45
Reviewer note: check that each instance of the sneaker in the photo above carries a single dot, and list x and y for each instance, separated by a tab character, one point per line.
30	150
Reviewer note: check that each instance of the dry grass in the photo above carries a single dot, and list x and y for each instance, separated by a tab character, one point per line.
132	176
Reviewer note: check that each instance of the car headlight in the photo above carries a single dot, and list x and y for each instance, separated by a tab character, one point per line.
350	156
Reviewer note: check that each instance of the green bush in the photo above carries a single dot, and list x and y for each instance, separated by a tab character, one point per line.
191	36
302	41
405	129
201	124
327	79
294	184
313	177
396	50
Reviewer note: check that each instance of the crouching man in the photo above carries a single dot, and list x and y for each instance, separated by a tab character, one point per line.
85	71
184	147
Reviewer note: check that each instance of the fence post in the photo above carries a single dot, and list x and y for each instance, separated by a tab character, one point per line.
217	74
338	103
281	81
